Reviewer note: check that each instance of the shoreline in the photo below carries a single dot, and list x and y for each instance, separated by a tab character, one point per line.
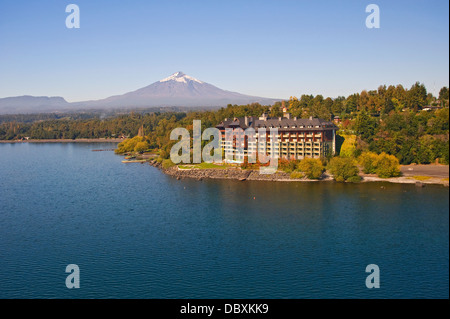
253	175
79	140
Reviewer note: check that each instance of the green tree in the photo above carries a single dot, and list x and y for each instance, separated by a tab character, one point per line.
417	96
141	147
365	126
443	96
276	111
351	104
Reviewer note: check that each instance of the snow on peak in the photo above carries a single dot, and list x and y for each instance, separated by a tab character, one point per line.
180	77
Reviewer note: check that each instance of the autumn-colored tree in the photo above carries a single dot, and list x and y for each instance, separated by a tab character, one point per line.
344	169
386	166
311	168
141	147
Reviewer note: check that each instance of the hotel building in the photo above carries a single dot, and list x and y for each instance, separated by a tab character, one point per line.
296	138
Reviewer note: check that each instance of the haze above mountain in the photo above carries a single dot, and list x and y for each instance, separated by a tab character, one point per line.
176	90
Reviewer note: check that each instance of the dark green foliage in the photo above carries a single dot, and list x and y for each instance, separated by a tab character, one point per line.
388	120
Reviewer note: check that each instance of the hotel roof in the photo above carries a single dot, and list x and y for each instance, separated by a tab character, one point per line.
282	123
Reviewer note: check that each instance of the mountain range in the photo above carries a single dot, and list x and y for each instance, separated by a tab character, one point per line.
178	90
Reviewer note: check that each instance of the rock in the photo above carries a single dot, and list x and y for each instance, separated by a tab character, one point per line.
420	184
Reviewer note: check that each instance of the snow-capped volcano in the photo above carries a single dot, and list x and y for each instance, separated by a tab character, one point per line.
176	90
179	89
180	77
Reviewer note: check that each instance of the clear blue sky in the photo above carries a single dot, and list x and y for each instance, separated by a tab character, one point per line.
265	48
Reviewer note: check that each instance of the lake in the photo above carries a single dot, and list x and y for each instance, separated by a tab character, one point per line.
135	232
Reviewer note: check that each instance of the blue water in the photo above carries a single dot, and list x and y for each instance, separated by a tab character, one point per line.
137	233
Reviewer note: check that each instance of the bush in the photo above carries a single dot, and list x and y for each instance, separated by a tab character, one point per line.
383	165
354	179
167	163
367	161
164	154
287	166
387	166
311	167
343	168
297	175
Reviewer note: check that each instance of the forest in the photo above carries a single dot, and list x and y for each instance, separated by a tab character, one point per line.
411	124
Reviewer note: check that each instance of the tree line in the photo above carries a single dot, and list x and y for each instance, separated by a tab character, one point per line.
389	120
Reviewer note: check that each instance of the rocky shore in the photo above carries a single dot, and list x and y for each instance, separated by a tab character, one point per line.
254	175
230	173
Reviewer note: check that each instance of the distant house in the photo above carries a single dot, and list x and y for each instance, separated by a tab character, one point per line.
337	119
431	108
283	107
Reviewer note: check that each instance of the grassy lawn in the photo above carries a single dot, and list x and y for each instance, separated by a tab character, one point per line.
204	165
347	145
422	178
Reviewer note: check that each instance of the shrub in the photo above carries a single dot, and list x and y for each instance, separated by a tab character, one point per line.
311	167
343	168
367	161
164	154
387	166
383	165
167	163
287	166
354	179
297	175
